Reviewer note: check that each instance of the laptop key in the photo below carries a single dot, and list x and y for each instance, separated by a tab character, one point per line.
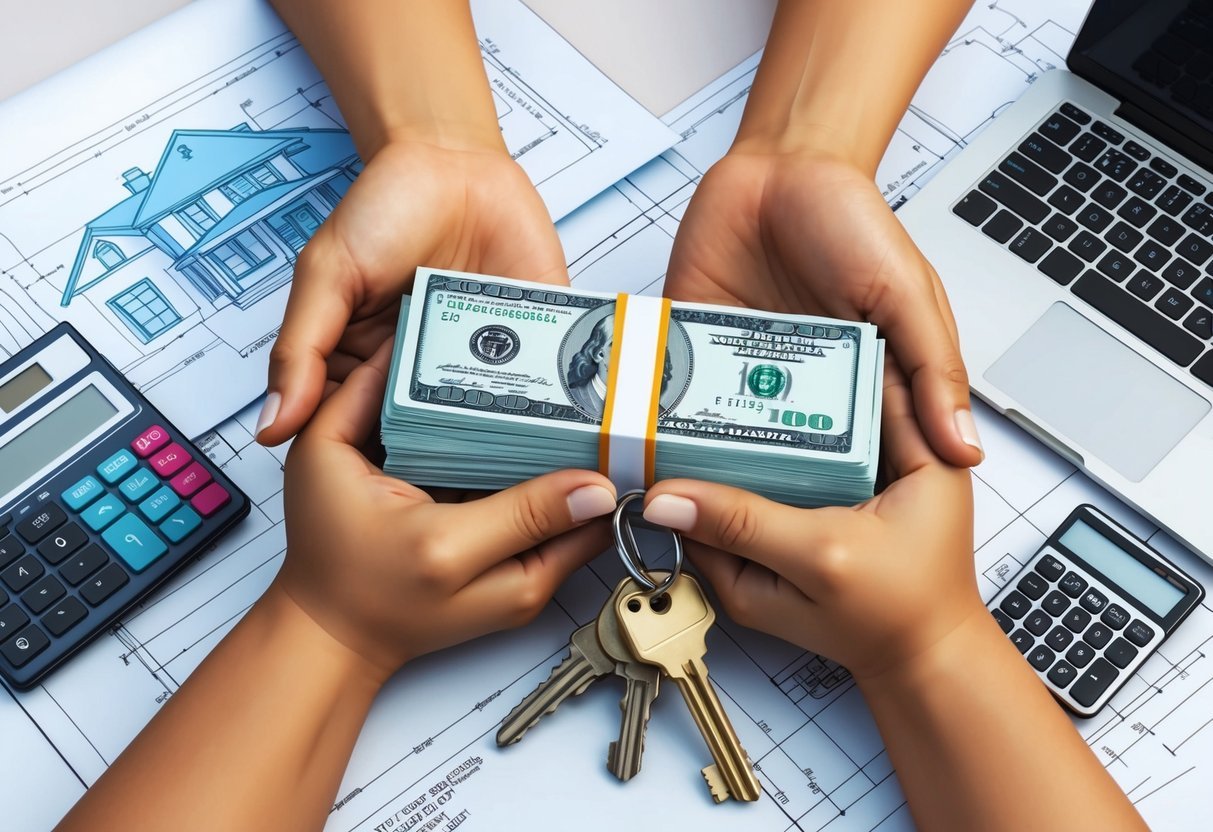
1116	165
1123	236
1003	226
1014	197
1136	151
1204	291
1044	153
1088	147
1105	132
1082	177
1200	323
1195	249
975	208
1166	230
1164	167
1173	200
1066	199
1152	255
1180	273
1094	217
1109	194
1173	303
1116	265
1061	266
1144	284
1059	129
1074	114
1059	227
1189	184
1087	246
1124	309
1203	369
1199	218
1137	211
1030	245
1029	174
1146	183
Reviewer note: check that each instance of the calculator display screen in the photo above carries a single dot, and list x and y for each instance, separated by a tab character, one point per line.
54	432
1150	589
20	388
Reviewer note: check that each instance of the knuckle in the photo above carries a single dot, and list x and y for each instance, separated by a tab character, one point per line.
532	519
738	606
529	601
737	526
831	561
431	562
953	371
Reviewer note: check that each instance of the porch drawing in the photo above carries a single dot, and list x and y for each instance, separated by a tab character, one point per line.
219	222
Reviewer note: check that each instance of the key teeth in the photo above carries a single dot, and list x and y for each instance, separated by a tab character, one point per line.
716	784
508	733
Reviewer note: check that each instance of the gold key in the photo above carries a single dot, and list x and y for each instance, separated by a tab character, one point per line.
668	631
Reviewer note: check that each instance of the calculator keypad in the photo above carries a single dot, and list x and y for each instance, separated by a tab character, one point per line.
83	544
1075	636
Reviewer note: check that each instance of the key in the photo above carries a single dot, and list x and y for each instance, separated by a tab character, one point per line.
669	631
643	680
584	663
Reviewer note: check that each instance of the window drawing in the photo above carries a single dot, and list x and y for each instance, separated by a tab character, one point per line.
197	217
144	310
241	254
243	186
109	254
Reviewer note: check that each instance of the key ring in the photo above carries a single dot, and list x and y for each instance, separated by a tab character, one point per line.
629	550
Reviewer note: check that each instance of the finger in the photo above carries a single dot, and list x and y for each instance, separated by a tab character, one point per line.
796	543
514	591
470	538
323	297
920	339
351	412
903	446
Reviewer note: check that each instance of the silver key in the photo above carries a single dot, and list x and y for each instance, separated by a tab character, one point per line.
624	755
585	662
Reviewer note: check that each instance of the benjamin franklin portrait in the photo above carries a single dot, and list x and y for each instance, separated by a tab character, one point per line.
589	368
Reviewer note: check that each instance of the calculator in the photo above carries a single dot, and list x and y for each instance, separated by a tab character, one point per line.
101	499
1090	607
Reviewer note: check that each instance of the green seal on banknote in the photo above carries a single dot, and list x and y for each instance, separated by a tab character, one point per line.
766	381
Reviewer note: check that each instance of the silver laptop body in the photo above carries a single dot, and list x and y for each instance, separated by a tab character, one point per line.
1062	355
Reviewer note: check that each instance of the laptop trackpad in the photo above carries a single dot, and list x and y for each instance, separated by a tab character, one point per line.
1099	394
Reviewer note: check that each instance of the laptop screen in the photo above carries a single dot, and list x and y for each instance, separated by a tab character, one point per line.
1156	56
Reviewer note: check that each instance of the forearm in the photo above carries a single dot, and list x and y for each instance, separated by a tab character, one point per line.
400	69
979	743
837	75
257	738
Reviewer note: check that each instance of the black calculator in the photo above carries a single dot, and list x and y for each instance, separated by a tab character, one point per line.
1091	606
101	499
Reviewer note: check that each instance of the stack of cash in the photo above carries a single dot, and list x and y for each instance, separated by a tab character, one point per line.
495	381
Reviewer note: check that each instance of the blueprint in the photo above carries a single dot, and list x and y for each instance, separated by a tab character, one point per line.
426	758
163	212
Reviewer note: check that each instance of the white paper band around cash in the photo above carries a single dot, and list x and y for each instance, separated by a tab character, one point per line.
628	439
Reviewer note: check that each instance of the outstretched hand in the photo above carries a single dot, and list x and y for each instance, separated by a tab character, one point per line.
794	232
415	204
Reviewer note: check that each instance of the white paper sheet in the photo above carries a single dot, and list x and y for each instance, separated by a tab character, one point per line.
427	749
156	195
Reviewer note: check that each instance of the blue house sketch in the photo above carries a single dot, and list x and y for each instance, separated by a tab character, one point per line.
219	222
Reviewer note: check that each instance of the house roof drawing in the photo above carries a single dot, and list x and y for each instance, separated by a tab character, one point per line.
196	161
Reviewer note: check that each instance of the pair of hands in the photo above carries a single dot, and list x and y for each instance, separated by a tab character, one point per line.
393	574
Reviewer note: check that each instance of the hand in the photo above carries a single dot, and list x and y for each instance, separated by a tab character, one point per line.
873	586
795	232
392	574
415	204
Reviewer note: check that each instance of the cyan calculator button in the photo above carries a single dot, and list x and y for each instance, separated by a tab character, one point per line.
103	512
182	521
134	542
157	506
138	485
117	466
82	493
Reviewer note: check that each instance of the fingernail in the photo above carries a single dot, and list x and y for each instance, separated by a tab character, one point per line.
967	429
269	412
590	501
672	511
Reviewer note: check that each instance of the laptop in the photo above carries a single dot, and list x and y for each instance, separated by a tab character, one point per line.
1075	239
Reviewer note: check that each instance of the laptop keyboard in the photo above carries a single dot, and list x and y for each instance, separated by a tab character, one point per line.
1115	222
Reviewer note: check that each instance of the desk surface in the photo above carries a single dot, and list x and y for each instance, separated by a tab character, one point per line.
659	52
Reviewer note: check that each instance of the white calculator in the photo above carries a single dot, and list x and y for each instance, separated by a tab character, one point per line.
1090	607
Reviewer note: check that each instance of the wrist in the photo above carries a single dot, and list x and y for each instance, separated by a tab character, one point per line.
810	143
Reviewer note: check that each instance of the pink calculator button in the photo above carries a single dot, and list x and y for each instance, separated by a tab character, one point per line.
210	499
190	480
150	441
171	460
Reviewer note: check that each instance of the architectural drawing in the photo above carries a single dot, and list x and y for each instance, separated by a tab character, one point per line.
166	225
428	748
